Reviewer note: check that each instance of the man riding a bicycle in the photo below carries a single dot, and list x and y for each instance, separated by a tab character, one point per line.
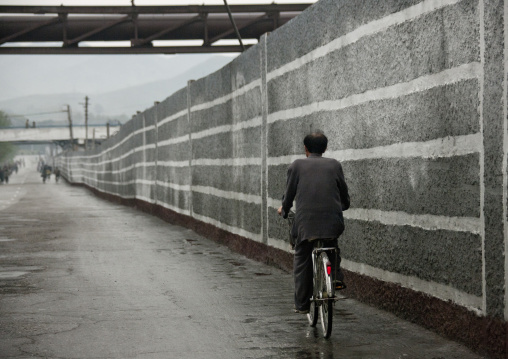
318	186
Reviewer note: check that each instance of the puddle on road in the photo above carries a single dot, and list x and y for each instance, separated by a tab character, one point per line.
7	239
11	275
21	268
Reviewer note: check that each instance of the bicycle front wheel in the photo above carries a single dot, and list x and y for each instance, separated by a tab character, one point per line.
326	295
312	316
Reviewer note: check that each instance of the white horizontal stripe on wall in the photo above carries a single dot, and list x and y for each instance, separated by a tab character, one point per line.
172	117
145	129
144	182
398	218
275	203
427	221
239	196
162	204
438	148
248	161
235	230
127	154
244	197
125	169
222	100
201	162
433	289
371	28
464	72
173	141
185	163
255	122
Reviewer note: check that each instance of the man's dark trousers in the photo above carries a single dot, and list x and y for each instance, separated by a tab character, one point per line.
303	273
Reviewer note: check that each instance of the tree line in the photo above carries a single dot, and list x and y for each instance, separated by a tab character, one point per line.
7	150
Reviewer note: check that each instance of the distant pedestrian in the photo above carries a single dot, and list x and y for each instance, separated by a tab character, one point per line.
57	174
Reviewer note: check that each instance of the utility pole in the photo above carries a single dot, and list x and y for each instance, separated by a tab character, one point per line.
86	122
70	125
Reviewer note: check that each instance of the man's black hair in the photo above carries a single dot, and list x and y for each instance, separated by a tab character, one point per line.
316	142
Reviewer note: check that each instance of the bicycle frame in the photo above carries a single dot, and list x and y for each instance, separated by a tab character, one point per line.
331	279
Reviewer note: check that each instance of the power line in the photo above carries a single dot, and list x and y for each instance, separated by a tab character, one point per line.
37	114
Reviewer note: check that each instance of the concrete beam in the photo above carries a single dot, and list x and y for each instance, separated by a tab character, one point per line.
53	133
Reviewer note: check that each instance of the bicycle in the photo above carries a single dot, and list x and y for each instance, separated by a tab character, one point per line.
324	284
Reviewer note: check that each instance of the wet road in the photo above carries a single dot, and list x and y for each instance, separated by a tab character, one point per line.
81	277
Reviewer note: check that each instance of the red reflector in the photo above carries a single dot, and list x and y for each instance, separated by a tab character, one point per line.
329	269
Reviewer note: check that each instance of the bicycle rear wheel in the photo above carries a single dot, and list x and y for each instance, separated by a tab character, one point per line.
326	294
312	316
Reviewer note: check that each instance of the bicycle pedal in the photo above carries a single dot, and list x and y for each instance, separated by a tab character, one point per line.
339	285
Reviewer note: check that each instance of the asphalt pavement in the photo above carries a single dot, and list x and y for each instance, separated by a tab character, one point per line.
81	277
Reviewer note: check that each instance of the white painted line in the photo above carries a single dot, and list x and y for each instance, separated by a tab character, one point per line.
425	221
123	170
174	141
249	161
244	197
398	218
368	29
438	148
231	195
438	290
79	159
173	163
464	72
142	130
255	122
222	100
172	117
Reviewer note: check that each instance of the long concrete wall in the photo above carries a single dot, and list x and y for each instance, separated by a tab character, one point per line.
413	97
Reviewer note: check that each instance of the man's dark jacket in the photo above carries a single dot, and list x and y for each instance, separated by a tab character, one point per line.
318	186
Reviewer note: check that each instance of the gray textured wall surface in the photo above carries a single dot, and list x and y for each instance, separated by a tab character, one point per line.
413	98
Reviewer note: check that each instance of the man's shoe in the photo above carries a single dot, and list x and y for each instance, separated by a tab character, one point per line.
339	285
303	311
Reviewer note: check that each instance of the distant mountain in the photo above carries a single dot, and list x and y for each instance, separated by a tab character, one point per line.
138	98
117	87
